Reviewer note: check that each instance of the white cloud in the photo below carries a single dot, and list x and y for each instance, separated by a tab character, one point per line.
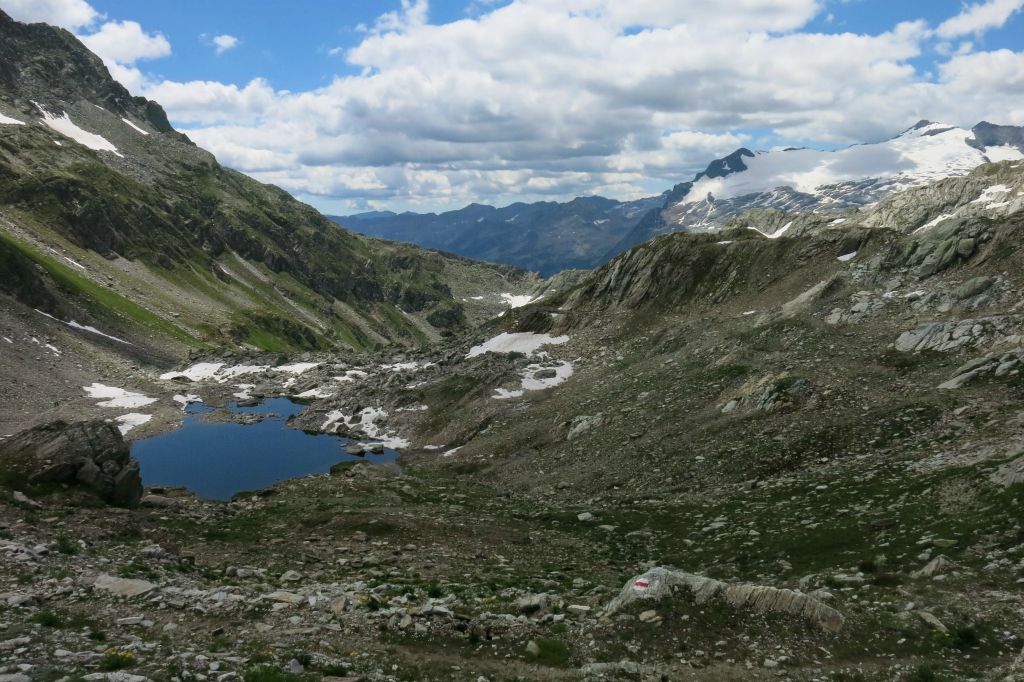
223	43
69	14
554	98
979	17
124	42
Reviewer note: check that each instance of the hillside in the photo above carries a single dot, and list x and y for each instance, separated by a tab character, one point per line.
140	225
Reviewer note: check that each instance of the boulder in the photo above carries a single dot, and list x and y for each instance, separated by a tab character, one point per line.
660	582
92	454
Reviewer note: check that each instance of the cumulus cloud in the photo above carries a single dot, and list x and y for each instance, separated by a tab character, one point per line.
979	17
124	42
69	14
223	43
553	98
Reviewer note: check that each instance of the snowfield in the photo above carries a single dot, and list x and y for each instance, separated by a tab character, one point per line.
63	125
527	343
112	396
915	157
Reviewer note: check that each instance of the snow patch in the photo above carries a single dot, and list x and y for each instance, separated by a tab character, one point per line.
513	301
84	327
244	392
1003	153
7	120
530	382
451	452
406	366
184	400
297	367
144	132
847	257
991	193
932	223
112	396
775	235
518	342
127	422
63	125
197	372
367	422
352	375
314	393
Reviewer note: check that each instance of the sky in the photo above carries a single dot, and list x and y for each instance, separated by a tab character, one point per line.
428	105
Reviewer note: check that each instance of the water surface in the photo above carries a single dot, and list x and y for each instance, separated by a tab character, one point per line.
218	460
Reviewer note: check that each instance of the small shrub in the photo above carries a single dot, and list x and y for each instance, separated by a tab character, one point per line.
115	659
48	619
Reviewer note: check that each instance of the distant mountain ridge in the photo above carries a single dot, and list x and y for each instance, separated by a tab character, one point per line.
545	237
589	231
812	180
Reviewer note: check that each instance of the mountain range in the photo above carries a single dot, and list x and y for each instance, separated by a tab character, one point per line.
589	231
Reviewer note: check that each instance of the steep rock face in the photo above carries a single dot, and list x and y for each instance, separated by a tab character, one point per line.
92	454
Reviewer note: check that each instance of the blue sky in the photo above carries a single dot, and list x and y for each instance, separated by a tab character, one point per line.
410	104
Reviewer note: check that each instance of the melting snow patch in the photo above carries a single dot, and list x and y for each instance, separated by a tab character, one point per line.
352	375
520	342
117	397
406	366
513	301
63	125
184	400
198	372
838	221
847	257
297	367
7	120
724	243
990	193
366	422
134	126
8	340
414	408
505	394
215	371
245	391
127	422
933	222
451	452
530	381
53	348
775	235
314	393
85	328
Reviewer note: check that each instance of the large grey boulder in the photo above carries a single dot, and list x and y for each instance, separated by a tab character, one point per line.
659	583
92	454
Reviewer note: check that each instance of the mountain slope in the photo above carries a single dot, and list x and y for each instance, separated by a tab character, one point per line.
546	237
99	179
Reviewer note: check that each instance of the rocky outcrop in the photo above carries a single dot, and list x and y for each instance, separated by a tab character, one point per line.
954	334
992	365
660	583
92	454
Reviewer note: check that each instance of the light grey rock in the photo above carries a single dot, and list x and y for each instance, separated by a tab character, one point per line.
123	587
